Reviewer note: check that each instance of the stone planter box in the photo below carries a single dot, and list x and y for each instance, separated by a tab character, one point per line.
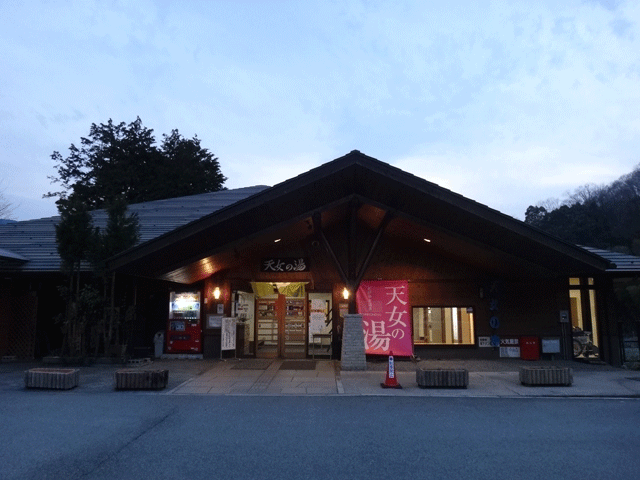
442	378
53	378
131	379
546	376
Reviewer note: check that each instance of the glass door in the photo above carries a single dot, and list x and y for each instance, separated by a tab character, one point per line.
295	321
266	328
280	327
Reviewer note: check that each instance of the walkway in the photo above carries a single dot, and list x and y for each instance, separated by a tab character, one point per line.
490	378
265	377
495	378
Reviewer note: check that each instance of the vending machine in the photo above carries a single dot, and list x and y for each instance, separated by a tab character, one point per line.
184	330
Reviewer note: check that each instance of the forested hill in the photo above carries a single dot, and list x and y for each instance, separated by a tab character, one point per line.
606	216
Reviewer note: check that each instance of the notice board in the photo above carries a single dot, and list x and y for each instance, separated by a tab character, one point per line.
228	339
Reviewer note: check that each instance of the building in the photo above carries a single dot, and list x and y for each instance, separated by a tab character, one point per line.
287	261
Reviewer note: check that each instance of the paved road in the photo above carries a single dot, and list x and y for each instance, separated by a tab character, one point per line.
76	435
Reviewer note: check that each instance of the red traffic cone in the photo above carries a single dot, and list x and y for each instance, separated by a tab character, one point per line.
391	381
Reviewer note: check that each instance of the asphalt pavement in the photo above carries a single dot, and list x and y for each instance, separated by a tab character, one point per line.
246	419
491	378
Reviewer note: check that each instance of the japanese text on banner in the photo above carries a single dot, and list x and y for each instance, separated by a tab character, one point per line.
384	306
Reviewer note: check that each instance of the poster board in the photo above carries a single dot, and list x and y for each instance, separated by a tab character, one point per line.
317	317
550	345
509	348
214	321
228	338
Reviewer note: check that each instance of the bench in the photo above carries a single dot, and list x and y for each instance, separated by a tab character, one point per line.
52	378
442	378
132	379
546	376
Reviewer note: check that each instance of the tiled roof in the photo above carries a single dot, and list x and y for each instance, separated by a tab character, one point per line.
30	245
621	261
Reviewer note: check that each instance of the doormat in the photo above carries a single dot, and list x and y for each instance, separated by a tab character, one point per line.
252	364
298	365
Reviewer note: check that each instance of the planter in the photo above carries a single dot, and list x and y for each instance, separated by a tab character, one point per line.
546	376
442	378
131	379
52	378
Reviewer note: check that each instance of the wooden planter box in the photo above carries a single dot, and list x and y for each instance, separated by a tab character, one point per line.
130	379
442	378
53	378
546	376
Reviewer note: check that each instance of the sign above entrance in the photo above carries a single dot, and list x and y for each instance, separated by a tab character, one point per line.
284	265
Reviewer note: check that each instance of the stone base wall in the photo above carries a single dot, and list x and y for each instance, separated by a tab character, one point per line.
546	376
53	378
353	354
442	378
141	379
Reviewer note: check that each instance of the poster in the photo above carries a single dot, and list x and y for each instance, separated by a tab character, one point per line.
228	341
317	317
384	306
214	321
509	348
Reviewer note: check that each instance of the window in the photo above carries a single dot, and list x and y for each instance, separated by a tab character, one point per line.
584	320
443	326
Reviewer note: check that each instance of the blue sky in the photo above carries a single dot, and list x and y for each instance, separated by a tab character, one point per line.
507	103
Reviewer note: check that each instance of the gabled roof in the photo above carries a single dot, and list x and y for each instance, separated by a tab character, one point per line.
179	231
30	246
455	220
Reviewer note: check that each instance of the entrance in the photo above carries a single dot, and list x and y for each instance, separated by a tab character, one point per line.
584	319
283	320
280	326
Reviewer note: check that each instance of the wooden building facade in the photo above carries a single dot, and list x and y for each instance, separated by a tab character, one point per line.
287	263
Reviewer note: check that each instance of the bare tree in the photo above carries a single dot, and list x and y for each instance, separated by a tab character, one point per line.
6	208
586	193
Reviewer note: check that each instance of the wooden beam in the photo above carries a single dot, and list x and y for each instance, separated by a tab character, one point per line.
317	225
352	249
374	247
352	242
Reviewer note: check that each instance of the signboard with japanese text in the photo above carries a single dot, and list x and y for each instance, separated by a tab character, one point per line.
384	306
228	340
284	265
509	348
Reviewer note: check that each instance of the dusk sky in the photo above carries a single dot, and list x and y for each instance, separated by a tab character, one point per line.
506	103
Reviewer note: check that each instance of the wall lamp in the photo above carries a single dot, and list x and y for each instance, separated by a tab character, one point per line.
216	293
345	293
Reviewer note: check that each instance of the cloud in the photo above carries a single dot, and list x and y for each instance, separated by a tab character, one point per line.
479	96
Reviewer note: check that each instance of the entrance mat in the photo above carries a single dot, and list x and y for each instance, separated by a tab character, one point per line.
252	364
298	365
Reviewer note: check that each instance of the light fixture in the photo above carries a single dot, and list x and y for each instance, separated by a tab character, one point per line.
277	240
216	293
427	240
345	293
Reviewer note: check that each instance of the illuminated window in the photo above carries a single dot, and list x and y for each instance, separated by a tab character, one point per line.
584	320
443	326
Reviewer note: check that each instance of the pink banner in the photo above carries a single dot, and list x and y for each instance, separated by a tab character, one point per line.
384	306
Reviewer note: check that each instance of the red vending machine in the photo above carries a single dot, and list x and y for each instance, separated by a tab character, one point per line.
184	331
